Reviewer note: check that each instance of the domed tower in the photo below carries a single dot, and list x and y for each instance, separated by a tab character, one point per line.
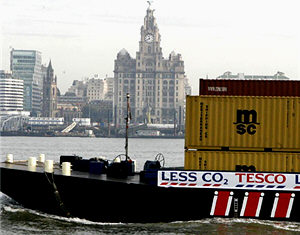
124	80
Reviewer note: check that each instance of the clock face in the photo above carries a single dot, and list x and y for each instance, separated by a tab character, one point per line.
149	38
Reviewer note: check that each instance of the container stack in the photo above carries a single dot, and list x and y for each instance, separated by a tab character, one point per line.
244	133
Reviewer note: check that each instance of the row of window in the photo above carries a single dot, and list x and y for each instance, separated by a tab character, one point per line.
148	75
23	68
23	57
27	61
12	102
132	82
149	91
150	99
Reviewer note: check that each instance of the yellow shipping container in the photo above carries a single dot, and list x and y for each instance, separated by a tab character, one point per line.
242	161
243	123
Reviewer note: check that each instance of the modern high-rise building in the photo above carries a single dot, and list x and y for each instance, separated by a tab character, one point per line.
49	106
11	92
156	84
26	65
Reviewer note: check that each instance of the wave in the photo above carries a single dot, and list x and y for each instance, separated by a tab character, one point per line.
9	205
13	209
282	225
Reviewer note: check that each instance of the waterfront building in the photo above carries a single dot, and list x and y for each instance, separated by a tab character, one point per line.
100	111
26	65
110	88
11	94
71	98
12	115
156	85
49	107
79	88
69	106
242	76
96	89
68	111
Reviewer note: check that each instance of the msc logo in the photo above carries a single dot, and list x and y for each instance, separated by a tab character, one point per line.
246	121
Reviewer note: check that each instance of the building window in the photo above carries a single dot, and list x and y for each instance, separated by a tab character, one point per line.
149	49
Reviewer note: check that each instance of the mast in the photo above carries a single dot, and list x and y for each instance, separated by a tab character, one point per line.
127	125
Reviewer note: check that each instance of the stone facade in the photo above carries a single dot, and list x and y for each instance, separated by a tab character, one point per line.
96	89
156	85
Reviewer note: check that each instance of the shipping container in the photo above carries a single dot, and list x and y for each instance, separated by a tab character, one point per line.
249	87
243	123
242	161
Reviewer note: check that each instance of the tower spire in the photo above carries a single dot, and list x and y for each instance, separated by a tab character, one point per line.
50	65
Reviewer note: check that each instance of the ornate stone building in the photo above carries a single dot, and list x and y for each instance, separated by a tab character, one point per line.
49	108
156	85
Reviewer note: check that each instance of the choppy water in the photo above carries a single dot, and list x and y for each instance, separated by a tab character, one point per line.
14	219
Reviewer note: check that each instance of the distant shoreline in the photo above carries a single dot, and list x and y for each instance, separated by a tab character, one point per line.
31	134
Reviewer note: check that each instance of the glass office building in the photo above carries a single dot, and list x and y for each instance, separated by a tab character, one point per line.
26	65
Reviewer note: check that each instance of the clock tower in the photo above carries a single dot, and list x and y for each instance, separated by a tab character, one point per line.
156	85
149	46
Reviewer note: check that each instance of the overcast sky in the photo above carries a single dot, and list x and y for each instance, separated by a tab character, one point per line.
83	37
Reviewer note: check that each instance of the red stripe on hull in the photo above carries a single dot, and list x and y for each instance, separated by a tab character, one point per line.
252	204
221	205
283	204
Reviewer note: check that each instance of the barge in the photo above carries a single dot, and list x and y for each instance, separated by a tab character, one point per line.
154	195
239	180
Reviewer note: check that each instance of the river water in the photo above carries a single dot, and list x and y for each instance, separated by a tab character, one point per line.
14	219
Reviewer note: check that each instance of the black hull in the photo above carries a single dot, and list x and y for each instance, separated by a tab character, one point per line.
99	198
